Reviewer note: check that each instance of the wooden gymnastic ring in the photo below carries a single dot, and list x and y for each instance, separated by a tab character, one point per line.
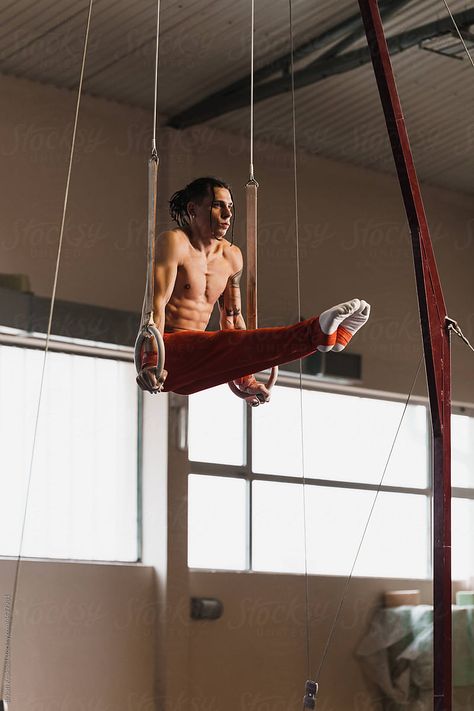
269	385
150	331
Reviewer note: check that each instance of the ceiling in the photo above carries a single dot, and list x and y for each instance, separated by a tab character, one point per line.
205	47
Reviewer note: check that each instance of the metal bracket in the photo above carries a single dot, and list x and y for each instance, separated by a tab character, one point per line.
311	691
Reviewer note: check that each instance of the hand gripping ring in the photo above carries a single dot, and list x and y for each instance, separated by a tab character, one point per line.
269	385
143	373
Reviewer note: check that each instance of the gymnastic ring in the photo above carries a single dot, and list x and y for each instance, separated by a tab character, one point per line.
269	385
148	331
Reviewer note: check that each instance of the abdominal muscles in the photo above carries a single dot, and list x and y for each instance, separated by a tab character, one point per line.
199	284
188	315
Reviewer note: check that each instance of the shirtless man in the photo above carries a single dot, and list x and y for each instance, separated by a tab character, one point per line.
195	267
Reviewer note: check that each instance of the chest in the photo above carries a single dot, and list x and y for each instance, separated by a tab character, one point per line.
203	278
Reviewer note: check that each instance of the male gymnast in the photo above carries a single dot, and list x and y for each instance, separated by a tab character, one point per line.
195	267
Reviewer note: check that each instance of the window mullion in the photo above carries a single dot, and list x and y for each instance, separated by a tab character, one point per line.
248	473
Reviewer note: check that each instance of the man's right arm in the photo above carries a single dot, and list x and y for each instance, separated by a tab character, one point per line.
167	257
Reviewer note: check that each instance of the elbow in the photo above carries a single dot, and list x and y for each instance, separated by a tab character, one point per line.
226	324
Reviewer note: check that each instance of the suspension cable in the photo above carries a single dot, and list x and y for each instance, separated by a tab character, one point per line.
252	50
298	287
312	687
147	306
154	150
46	350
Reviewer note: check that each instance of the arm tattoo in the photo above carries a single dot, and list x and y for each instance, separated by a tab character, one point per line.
235	278
234	281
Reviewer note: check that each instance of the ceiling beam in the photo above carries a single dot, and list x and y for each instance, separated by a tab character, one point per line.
236	95
283	63
387	11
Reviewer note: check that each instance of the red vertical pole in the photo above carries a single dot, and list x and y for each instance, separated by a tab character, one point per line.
436	349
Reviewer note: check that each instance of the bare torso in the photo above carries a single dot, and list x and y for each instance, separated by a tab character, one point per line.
201	278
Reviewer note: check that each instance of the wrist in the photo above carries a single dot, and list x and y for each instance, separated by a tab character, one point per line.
246	381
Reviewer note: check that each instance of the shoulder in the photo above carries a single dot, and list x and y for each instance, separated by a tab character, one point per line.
172	243
234	256
173	237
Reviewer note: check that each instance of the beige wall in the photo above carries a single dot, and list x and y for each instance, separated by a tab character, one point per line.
83	637
352	228
353	242
254	657
258	648
102	262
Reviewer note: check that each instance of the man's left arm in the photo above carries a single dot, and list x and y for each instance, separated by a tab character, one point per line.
230	306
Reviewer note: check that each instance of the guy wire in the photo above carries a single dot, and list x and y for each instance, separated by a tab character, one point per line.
369	517
46	349
469	55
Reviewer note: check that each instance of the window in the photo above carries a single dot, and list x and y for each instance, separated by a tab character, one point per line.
211	437
218	531
254	513
462	511
335	428
82	502
462	427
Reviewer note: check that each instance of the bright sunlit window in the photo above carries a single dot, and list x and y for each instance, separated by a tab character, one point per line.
213	437
82	502
257	515
462	428
345	438
217	522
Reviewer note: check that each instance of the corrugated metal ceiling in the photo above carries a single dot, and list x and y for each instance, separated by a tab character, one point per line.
204	46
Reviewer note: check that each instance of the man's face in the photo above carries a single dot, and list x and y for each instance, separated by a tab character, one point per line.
220	208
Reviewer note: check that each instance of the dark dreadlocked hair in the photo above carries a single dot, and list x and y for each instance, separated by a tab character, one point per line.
196	191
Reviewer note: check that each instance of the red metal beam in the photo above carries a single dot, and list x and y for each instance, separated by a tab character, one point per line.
436	344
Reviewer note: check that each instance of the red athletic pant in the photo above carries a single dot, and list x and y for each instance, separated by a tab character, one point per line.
197	360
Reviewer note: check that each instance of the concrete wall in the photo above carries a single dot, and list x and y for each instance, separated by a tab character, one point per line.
353	242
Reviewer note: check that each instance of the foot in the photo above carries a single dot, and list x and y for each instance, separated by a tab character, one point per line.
351	325
341	322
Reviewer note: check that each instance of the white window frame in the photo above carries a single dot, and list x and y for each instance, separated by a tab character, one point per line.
308	382
88	348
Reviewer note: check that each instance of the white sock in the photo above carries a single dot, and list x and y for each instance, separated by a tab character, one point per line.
331	319
351	325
